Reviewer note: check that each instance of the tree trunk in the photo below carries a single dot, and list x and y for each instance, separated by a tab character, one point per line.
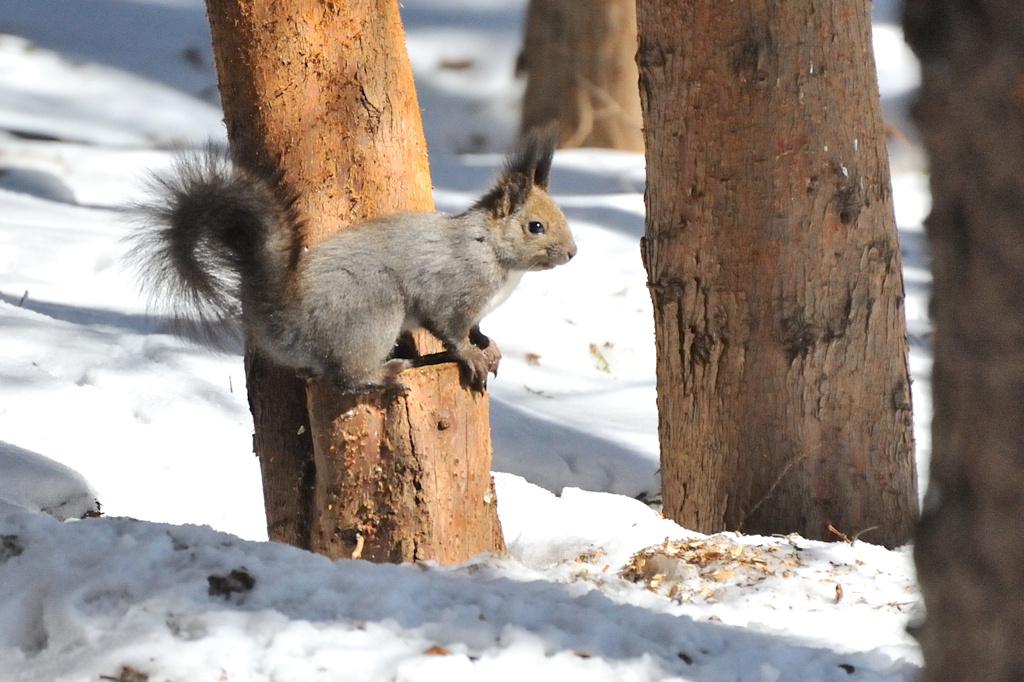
970	542
323	93
432	445
580	66
282	441
774	267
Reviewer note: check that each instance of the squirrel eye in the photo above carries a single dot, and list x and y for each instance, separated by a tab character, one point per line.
536	227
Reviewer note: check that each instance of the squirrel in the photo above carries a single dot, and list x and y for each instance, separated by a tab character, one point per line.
220	244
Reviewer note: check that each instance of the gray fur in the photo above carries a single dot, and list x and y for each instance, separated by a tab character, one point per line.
220	243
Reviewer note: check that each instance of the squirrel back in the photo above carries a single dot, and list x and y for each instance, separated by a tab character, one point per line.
220	244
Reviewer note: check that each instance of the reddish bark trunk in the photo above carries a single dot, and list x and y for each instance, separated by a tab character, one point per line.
323	92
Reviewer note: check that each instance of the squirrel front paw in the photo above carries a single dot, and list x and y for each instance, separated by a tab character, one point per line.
492	356
489	348
475	364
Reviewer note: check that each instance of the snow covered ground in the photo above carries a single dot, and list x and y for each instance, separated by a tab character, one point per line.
99	401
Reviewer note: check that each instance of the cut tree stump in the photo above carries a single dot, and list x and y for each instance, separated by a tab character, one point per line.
379	456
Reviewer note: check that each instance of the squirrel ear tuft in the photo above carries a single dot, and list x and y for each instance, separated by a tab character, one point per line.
507	196
528	165
533	153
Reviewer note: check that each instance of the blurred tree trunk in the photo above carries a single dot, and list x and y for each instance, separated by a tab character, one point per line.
579	57
970	542
774	267
323	93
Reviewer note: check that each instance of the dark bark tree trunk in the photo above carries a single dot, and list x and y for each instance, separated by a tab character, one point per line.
970	542
323	92
774	267
580	66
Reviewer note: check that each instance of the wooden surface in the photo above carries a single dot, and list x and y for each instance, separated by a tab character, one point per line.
579	59
404	478
322	93
969	549
774	267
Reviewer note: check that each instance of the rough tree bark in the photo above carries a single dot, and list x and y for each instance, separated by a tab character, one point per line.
970	542
322	92
774	267
580	66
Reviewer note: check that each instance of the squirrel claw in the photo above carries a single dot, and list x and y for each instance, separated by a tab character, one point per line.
396	389
476	365
491	356
490	351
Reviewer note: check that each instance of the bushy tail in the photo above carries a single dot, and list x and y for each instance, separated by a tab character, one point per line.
212	238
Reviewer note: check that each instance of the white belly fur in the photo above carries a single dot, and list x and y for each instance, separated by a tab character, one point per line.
504	292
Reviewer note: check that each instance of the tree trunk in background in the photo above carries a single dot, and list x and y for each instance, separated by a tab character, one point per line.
579	57
970	542
774	267
323	92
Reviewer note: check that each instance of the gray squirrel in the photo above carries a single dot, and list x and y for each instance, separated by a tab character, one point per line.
219	244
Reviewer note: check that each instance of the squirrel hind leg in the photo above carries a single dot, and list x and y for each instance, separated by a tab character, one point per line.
390	370
389	373
385	379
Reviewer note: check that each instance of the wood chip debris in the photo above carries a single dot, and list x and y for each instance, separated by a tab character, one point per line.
437	651
696	570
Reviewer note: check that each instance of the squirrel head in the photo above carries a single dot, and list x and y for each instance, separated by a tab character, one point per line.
527	220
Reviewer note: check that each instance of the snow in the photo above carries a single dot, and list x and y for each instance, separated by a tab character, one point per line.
40	484
99	401
138	594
